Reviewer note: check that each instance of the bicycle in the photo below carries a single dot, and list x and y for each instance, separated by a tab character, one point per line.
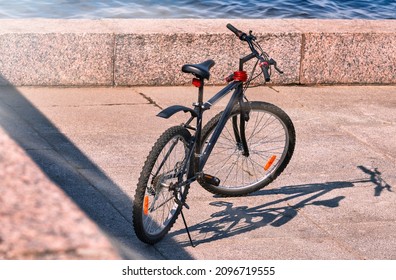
239	151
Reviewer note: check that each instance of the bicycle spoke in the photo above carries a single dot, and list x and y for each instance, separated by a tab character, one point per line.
166	171
266	138
232	167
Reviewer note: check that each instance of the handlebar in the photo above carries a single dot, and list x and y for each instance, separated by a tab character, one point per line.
265	63
241	35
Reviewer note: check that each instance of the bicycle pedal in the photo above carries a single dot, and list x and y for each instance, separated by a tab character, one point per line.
211	180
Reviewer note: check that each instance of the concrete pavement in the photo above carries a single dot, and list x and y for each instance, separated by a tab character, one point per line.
335	200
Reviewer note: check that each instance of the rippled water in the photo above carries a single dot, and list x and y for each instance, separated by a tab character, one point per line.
360	9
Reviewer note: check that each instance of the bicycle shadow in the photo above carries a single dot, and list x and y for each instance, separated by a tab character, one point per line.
234	220
377	180
97	195
231	221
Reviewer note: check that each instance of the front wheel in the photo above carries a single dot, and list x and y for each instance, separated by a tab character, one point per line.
270	138
158	198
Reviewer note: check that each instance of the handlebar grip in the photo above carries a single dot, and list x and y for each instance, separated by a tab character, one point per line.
237	32
267	76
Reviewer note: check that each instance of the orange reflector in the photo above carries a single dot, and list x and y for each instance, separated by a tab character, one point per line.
269	162
145	205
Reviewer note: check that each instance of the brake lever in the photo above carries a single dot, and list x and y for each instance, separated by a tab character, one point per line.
273	62
277	69
252	36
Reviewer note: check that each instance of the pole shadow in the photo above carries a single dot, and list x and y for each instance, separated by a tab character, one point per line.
102	200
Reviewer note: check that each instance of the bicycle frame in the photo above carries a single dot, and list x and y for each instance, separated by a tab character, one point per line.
200	157
182	153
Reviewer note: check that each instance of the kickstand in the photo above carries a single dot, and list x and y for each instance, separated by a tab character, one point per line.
185	225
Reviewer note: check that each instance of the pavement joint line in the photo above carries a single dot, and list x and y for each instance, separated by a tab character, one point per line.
371	147
302	56
339	243
343	128
274	89
94	105
114	59
150	100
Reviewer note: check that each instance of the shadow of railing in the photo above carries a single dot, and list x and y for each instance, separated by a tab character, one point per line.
62	161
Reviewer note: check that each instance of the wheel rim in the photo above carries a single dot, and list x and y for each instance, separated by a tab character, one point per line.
159	205
268	140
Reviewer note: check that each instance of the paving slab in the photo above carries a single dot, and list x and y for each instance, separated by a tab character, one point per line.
335	200
373	240
38	221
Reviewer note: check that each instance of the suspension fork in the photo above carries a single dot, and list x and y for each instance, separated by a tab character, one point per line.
240	135
239	132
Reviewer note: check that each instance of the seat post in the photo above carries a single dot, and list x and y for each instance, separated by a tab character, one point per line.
200	92
199	109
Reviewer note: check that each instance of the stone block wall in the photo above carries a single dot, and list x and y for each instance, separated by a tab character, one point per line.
128	52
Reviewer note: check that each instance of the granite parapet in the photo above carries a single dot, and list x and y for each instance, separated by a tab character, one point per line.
128	52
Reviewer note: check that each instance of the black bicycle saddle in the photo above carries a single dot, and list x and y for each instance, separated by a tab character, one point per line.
200	70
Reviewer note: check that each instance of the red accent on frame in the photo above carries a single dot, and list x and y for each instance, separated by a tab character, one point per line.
196	82
240	76
264	63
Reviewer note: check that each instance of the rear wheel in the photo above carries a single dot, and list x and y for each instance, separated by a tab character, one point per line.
155	206
270	139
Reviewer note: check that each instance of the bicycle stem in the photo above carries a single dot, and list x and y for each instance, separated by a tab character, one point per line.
245	59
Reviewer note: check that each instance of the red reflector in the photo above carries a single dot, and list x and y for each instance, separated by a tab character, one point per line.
240	76
196	82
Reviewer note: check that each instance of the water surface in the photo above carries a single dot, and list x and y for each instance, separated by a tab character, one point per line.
95	9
